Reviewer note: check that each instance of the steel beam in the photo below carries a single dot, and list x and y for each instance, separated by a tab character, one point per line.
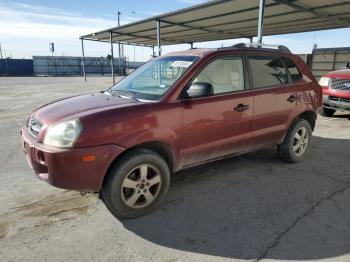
108	41
119	47
183	24
134	35
1	52
83	57
112	60
319	14
200	19
244	20
158	38
316	11
212	3
261	20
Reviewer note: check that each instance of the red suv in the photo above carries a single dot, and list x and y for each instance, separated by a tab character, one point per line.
336	91
176	111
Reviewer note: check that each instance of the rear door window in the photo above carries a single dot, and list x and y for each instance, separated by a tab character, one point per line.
267	71
293	70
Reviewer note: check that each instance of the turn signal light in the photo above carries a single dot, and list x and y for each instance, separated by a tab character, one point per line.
89	158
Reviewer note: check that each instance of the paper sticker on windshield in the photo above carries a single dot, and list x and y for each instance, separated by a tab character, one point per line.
181	63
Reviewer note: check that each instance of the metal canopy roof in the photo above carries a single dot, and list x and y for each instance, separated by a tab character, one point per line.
230	19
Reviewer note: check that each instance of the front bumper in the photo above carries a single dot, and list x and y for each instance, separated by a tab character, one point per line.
65	168
336	102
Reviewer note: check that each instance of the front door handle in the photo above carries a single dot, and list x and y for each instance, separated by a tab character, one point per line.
241	107
292	98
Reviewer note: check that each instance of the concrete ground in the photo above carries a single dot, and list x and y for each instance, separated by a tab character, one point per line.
252	207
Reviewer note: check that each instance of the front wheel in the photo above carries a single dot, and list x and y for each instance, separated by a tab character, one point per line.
297	142
136	184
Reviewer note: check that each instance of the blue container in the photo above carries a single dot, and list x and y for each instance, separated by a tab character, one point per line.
16	67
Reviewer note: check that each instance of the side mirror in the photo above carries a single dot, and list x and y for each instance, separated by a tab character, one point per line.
199	89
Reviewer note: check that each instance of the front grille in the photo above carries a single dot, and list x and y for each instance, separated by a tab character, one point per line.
340	84
338	99
34	126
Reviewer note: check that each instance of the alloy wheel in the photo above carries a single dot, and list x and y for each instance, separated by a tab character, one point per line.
141	186
300	141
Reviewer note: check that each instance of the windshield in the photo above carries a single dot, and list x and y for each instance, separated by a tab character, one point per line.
155	78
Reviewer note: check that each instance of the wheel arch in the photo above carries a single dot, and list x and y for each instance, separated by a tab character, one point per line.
159	147
309	116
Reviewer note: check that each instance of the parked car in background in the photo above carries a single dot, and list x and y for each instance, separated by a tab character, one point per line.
336	91
176	111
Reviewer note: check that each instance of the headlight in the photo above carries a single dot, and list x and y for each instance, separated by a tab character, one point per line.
63	134
324	81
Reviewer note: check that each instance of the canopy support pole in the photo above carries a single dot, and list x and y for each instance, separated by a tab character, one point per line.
191	44
153	54
119	49
112	60
83	58
158	38
261	21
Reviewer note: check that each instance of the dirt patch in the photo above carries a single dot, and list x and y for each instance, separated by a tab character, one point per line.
4	229
66	203
47	210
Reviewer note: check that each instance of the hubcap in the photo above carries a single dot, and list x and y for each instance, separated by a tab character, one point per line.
141	186
301	141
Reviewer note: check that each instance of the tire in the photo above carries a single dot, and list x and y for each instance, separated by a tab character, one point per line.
327	112
129	191
293	150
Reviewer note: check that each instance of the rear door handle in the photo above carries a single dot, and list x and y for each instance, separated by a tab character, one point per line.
292	98
241	107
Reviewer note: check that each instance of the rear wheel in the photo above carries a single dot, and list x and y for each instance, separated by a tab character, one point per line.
327	112
296	142
136	184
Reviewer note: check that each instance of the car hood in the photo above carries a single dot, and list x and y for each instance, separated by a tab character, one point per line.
78	106
343	74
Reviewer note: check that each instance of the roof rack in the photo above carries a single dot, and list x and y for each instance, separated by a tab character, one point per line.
256	45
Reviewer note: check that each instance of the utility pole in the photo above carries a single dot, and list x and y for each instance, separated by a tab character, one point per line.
112	61
158	38
119	47
1	61
261	21
133	20
1	52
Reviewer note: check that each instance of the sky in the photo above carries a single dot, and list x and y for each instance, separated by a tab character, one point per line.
27	27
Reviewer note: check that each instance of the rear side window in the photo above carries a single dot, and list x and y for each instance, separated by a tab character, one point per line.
267	71
293	69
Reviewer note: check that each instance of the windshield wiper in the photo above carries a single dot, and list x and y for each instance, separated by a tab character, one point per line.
125	92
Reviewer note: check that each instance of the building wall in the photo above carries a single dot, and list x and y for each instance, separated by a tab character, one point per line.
16	67
320	61
62	65
328	59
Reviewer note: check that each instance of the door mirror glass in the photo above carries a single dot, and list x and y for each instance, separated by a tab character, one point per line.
199	89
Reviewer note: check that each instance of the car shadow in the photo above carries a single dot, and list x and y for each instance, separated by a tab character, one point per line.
256	206
342	115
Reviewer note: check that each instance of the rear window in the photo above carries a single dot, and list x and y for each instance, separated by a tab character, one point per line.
293	69
267	71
